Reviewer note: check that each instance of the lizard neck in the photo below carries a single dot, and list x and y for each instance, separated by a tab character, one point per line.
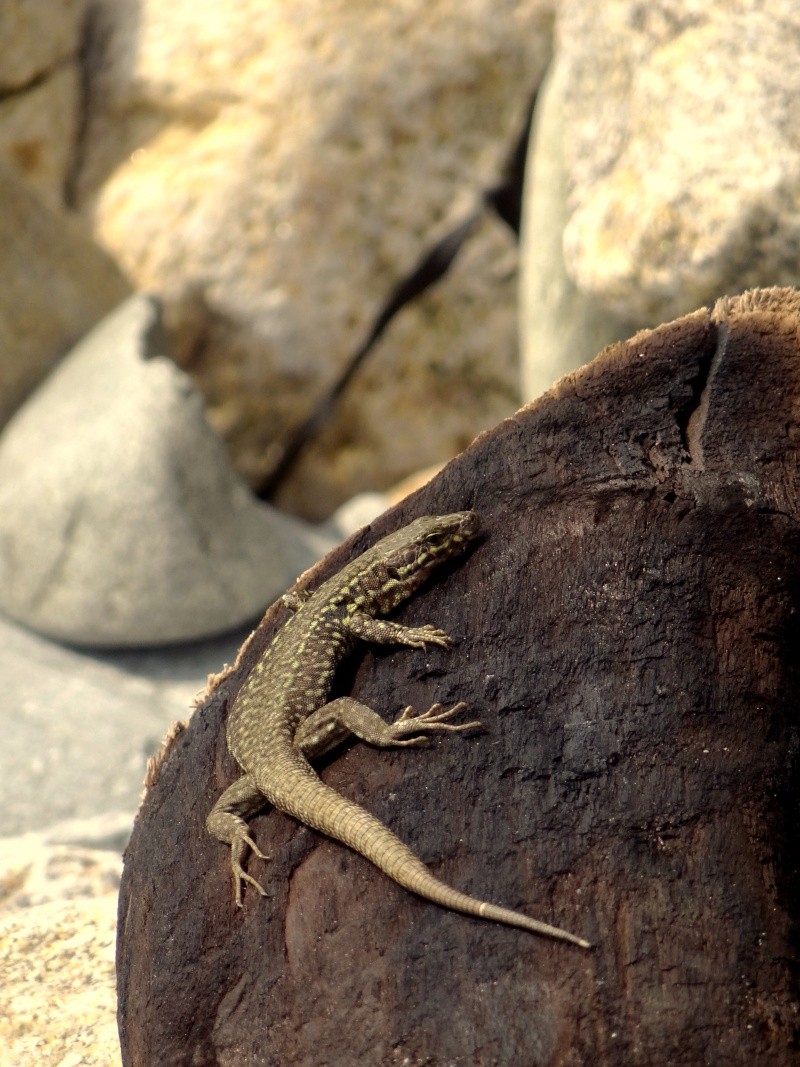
390	572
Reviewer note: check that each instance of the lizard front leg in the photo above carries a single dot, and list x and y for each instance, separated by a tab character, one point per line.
333	723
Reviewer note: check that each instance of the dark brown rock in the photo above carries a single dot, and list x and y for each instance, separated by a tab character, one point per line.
628	632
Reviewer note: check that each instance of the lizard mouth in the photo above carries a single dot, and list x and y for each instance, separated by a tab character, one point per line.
469	525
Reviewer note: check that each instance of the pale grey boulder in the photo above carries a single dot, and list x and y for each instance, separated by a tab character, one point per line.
561	327
122	523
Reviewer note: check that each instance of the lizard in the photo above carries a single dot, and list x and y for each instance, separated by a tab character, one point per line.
281	718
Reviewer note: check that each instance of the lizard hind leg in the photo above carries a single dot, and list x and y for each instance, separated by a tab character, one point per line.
346	717
226	822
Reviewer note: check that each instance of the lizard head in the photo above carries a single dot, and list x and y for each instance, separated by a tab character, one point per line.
407	557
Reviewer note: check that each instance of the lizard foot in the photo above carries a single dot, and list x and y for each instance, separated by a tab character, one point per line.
422	723
420	636
240	875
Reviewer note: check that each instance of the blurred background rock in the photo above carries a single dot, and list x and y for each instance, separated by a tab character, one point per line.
270	172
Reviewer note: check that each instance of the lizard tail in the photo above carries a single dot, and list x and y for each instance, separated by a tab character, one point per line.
302	794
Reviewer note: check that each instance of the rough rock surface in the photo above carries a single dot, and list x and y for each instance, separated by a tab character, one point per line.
681	163
627	631
56	284
122	522
57	906
273	171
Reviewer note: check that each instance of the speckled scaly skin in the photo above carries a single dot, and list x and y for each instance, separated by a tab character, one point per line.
281	717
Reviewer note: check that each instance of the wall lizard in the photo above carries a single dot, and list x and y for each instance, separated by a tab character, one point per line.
281	718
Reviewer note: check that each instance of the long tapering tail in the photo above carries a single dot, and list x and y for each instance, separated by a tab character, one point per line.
299	792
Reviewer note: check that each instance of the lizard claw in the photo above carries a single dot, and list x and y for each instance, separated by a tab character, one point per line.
240	875
254	847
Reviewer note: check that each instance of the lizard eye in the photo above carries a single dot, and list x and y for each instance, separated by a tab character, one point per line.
434	542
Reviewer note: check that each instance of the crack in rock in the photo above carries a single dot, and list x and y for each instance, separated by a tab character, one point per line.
692	418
